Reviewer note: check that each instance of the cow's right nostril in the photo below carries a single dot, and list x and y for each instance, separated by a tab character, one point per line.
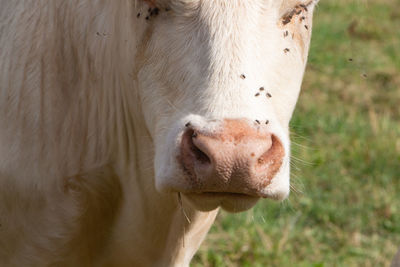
196	152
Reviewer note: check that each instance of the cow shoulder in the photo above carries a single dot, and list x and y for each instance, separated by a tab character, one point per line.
67	225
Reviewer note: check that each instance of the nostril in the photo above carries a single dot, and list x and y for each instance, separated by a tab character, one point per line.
196	152
273	157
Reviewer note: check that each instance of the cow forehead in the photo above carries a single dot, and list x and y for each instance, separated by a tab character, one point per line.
282	3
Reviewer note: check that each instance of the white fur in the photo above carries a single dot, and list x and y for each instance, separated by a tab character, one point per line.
92	104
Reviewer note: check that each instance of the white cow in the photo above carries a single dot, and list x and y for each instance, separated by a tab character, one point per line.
125	124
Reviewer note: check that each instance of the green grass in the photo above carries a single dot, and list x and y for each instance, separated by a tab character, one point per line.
345	209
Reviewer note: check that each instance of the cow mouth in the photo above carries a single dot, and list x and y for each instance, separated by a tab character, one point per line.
231	202
223	194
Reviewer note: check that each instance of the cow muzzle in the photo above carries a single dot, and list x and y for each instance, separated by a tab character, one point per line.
234	164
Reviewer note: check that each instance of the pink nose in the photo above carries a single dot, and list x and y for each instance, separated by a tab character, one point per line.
239	158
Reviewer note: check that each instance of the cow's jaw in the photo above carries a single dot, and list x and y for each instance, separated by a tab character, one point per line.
243	62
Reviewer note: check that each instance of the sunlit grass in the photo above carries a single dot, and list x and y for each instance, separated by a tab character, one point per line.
344	209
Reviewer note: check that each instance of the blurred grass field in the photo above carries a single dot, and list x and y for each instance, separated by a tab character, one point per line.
344	209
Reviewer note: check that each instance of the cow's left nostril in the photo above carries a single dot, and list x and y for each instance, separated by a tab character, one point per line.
272	158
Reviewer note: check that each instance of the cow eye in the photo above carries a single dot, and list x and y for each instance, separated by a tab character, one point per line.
291	9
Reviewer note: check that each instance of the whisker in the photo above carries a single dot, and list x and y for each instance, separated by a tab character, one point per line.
296	159
300	145
182	209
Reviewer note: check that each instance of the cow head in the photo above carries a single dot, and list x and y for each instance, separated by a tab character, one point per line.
218	85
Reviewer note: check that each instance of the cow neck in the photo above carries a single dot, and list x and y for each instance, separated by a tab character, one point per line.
151	224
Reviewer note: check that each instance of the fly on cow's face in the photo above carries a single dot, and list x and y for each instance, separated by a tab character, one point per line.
187	124
243	76
267	121
258	122
258	94
285	34
261	88
306	26
154	11
269	95
286	50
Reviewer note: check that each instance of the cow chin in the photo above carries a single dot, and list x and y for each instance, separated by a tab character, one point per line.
233	202
278	190
230	202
